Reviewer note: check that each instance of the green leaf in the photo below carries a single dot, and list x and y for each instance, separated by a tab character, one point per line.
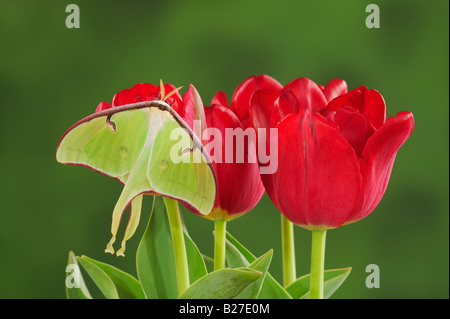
333	278
239	256
196	264
127	286
234	257
155	259
236	248
271	289
221	284
209	263
100	278
75	285
261	264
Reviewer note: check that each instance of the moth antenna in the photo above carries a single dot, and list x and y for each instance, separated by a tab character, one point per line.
162	90
173	92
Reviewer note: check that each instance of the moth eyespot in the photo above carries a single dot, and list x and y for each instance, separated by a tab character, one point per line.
187	151
111	125
163	165
123	152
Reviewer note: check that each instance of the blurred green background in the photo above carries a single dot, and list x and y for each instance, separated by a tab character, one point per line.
52	76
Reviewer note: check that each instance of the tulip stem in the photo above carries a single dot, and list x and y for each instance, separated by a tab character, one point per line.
317	263
220	226
288	251
179	247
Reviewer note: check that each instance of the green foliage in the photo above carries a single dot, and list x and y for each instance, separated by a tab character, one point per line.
155	260
127	286
247	277
221	284
333	279
75	285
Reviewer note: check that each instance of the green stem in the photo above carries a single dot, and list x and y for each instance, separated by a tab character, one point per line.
220	227
317	263
288	251
179	248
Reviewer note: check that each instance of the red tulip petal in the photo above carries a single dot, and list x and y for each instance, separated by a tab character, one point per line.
239	184
287	103
240	102
126	96
353	126
318	181
220	98
145	91
267	180
334	88
261	106
308	94
103	106
378	159
369	102
192	110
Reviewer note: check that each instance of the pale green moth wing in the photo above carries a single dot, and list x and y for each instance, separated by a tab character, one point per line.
180	173
133	143
92	142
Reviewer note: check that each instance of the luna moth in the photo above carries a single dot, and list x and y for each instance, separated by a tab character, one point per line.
133	144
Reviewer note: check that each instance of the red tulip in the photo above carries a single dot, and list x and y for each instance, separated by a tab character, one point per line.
336	150
144	92
240	102
239	186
